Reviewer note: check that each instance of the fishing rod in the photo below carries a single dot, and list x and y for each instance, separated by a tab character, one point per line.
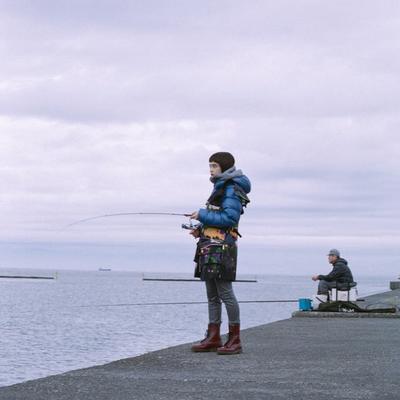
184	303
191	280
81	221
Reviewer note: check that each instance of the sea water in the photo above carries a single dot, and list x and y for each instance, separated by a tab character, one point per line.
86	318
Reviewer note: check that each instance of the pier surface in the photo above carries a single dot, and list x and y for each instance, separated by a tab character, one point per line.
298	358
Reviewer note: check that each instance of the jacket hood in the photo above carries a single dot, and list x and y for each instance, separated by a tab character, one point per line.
341	260
236	175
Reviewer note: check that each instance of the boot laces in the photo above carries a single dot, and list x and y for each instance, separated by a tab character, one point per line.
205	336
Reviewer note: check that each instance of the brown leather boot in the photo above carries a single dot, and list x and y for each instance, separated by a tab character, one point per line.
233	345
212	340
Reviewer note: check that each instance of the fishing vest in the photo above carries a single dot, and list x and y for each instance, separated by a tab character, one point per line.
215	200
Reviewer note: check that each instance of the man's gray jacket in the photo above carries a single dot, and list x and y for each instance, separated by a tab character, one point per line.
340	273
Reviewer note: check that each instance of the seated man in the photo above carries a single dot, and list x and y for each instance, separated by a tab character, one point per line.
340	277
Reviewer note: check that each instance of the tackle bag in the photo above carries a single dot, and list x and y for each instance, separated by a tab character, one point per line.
215	260
348	306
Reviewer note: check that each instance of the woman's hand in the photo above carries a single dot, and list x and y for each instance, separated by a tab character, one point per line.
194	215
195	233
314	278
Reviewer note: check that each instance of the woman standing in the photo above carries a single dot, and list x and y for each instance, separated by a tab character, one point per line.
216	252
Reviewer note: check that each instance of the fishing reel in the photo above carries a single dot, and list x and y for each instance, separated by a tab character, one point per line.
191	226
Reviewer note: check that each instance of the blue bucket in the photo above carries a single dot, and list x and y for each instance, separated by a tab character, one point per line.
305	305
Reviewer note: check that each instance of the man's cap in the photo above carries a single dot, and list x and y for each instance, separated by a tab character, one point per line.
334	252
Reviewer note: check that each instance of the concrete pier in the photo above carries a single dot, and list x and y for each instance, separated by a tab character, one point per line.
298	358
395	285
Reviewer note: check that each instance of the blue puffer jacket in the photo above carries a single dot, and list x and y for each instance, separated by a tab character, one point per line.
231	207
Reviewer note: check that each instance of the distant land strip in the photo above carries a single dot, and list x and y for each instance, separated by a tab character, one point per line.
26	277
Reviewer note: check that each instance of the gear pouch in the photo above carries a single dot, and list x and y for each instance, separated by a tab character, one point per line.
211	260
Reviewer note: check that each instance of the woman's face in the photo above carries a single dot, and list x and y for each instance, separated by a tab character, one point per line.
215	169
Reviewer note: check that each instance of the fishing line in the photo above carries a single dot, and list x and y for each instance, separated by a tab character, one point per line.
183	303
81	221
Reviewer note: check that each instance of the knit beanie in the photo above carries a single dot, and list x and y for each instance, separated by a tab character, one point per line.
224	159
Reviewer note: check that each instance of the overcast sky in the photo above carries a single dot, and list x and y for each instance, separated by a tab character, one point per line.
115	106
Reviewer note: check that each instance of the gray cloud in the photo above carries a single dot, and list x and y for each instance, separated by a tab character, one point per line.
132	62
116	106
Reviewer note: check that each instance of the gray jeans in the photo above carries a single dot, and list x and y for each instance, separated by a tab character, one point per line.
325	286
217	291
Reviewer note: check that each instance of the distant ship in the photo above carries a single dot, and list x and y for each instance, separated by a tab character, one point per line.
104	269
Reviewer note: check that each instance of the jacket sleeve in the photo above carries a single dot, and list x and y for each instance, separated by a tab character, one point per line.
337	272
229	214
